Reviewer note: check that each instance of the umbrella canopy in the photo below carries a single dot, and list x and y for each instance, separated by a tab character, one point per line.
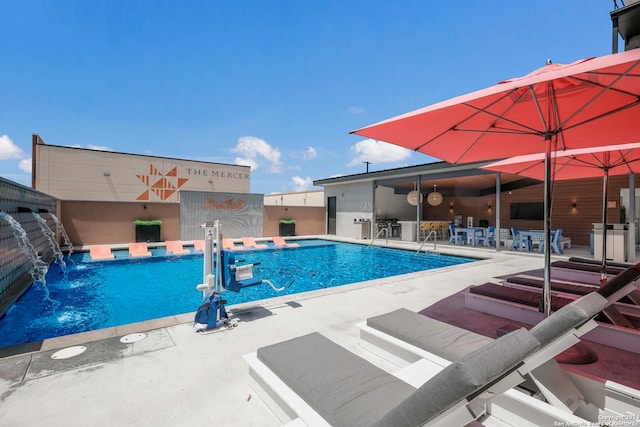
602	161
618	159
587	103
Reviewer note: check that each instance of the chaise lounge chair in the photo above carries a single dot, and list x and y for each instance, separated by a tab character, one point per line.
344	390
581	271
280	242
100	252
139	249
198	245
321	383
230	245
575	290
250	243
522	304
175	247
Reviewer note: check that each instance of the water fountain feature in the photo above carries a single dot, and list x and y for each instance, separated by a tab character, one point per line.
26	251
63	233
38	268
51	238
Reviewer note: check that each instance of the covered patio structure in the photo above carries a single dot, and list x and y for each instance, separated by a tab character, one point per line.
404	201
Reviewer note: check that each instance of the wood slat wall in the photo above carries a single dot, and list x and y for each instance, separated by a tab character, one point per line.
576	222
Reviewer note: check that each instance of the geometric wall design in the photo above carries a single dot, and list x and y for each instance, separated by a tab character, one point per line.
160	185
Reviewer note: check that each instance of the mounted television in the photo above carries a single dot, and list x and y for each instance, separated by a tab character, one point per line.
527	210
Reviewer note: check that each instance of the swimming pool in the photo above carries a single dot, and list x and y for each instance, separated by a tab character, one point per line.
95	295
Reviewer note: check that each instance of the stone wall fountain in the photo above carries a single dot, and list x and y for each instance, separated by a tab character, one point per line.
25	250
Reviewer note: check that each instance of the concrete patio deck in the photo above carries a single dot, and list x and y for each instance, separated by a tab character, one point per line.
176	376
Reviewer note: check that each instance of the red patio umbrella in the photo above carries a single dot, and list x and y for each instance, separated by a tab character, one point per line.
587	103
602	161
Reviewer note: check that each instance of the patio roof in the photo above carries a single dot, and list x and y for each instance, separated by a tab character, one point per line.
461	180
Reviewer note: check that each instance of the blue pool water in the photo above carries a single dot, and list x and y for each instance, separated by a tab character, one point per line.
94	295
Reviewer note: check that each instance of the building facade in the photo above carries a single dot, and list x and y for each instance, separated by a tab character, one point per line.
69	173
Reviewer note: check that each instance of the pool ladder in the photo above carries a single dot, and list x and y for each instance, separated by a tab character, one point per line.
386	230
431	233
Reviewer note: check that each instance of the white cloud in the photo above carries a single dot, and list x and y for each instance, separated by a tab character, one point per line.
247	162
356	110
253	150
99	147
9	150
94	147
301	184
309	153
377	152
25	165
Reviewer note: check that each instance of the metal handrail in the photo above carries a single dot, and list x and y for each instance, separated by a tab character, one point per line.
386	230
427	238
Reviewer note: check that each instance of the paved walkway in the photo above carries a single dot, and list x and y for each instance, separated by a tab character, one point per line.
178	377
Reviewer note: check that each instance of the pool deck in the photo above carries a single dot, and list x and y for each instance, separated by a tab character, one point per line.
176	376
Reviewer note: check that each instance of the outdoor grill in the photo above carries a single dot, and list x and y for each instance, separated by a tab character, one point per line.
382	223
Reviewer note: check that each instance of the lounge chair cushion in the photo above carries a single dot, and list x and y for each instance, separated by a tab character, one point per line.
599	262
580	266
620	281
569	317
343	388
519	296
568	288
436	337
462	379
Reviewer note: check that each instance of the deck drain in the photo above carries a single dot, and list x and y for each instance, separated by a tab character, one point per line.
131	338
69	352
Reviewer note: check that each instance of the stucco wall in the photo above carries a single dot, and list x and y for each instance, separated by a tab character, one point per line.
353	201
80	174
300	198
90	223
391	205
309	220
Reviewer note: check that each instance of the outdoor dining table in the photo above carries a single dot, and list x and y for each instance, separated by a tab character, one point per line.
471	232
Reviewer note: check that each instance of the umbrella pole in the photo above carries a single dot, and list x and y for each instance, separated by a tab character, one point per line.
546	290
605	196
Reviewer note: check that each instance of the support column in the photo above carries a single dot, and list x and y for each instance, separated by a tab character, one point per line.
631	237
498	191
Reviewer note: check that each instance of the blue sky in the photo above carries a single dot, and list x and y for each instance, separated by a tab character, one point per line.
273	84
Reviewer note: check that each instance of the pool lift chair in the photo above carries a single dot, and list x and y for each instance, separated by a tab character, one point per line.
221	272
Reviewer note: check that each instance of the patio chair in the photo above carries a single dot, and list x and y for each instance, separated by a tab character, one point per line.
443	230
175	247
425	228
556	242
456	239
489	238
518	242
250	243
100	252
